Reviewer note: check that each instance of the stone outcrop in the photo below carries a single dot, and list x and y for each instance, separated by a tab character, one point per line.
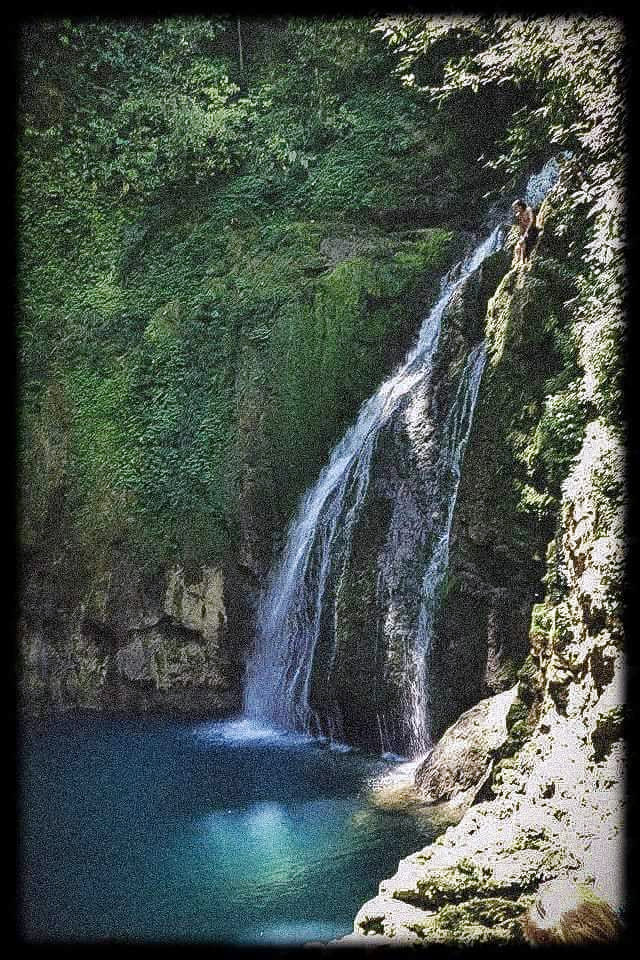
129	642
555	806
497	546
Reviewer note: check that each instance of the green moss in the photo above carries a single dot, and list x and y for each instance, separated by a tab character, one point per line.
529	682
451	885
517	713
477	921
530	418
332	343
174	294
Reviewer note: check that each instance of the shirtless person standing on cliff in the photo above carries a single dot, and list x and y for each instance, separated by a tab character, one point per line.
526	220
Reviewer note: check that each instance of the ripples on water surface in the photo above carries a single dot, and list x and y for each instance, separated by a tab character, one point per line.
151	829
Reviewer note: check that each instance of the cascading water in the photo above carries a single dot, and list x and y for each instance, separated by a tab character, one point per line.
298	621
446	473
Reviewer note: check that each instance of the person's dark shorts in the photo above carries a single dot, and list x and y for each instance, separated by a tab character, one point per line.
530	239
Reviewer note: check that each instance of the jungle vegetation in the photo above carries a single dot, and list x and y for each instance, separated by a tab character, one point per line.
229	228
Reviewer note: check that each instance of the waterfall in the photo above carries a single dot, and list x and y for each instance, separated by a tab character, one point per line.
298	618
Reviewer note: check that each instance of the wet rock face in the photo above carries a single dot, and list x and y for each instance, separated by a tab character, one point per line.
496	555
554	803
155	644
481	642
379	591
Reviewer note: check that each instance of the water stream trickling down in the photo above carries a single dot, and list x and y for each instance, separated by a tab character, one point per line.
298	619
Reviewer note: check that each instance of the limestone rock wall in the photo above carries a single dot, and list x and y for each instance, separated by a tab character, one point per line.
129	642
395	532
462	760
498	539
555	806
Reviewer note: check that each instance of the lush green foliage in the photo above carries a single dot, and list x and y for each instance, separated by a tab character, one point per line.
184	342
571	72
332	344
182	338
126	106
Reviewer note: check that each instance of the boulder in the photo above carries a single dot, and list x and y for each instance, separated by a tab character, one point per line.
463	758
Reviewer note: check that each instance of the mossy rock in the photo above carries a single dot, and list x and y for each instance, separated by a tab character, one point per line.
478	921
449	885
518	712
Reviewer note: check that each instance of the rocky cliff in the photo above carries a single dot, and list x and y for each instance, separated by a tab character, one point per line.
379	590
128	642
543	787
555	805
504	514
